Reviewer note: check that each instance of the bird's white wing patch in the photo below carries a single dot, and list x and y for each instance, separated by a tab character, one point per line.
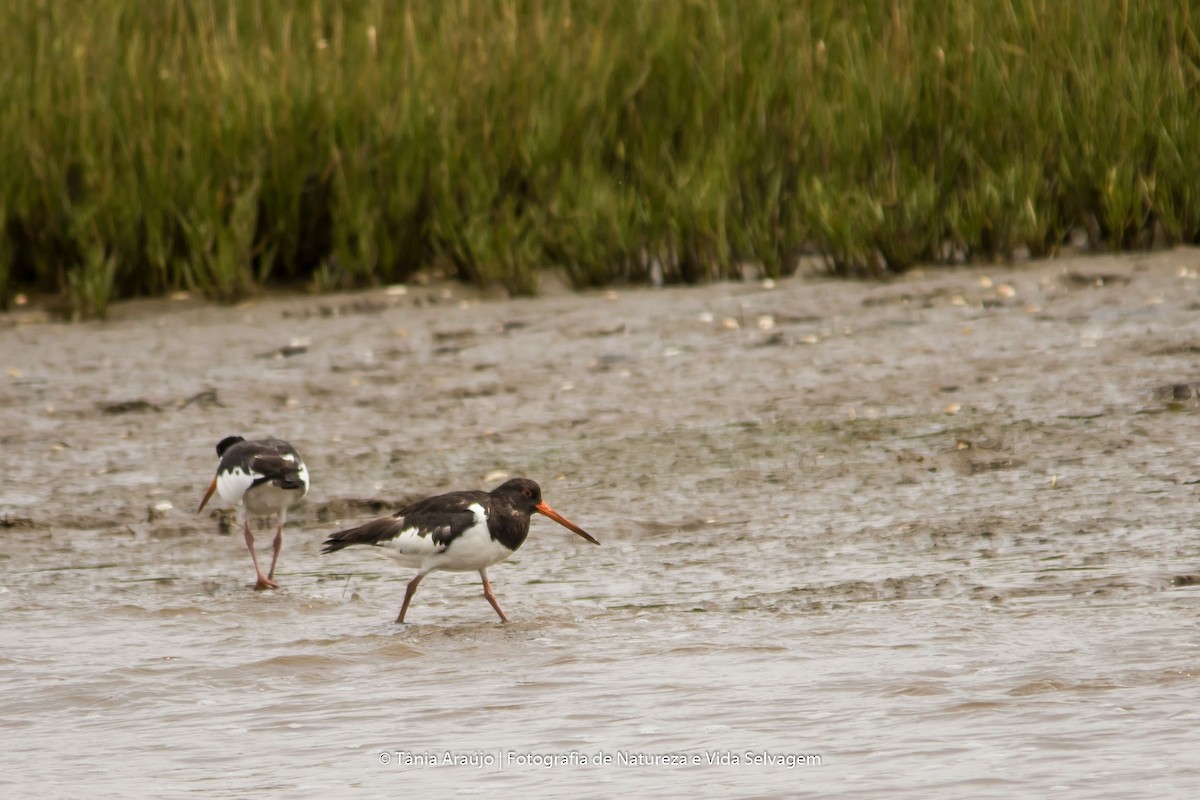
303	474
232	485
410	542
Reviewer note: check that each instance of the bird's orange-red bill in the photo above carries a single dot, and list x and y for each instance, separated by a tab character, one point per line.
542	508
212	487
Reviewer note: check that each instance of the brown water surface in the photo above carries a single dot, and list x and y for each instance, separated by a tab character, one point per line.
937	535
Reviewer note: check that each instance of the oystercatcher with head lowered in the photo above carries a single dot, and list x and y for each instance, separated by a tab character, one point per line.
457	532
260	478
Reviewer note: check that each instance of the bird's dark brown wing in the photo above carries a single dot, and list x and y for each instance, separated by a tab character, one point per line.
278	469
425	527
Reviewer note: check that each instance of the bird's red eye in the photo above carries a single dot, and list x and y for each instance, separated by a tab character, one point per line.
527	492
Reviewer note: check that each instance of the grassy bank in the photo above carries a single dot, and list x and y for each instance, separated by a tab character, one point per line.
151	145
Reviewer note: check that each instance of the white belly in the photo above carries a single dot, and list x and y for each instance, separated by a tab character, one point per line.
471	552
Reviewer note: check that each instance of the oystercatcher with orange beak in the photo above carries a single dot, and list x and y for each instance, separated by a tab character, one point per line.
264	477
457	532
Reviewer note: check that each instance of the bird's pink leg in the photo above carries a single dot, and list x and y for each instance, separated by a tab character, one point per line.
263	581
491	597
408	596
277	545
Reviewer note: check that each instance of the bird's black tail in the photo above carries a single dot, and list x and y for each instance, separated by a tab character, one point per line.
333	544
373	532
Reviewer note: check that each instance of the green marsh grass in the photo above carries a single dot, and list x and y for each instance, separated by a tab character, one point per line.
156	146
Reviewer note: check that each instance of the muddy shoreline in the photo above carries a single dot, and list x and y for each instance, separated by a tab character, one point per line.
423	370
985	476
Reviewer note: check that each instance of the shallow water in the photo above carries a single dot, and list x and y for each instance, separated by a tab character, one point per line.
933	538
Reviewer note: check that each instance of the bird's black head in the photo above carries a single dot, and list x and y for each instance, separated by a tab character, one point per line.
522	493
228	442
526	497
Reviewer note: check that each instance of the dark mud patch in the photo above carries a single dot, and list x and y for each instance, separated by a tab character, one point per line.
1093	280
206	397
352	508
19	523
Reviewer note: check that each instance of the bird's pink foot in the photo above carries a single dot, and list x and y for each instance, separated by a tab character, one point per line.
263	583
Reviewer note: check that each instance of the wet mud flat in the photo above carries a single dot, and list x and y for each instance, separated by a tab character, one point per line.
938	532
